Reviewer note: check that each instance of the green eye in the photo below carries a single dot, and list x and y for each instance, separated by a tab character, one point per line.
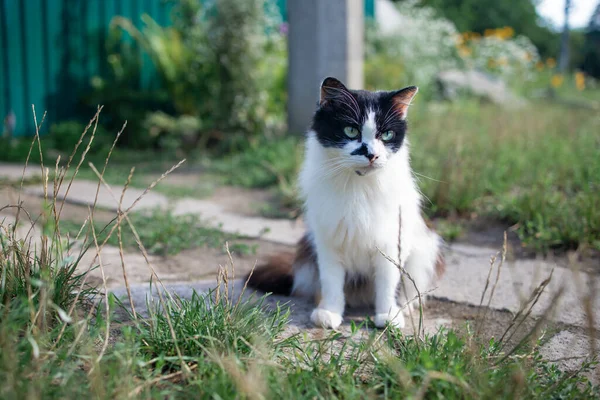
351	132
387	136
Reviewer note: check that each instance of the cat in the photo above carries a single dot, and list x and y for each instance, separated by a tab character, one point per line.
361	200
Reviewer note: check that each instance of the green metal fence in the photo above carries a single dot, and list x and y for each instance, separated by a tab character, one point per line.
51	49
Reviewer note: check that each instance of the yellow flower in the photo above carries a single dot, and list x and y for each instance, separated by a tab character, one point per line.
551	62
539	66
508	32
491	63
557	80
580	80
464	51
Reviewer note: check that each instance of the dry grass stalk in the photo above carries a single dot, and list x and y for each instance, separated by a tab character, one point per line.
93	121
125	215
57	183
142	248
421	331
493	290
522	315
534	332
106	303
121	255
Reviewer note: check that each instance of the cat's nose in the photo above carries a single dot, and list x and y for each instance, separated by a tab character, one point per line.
372	157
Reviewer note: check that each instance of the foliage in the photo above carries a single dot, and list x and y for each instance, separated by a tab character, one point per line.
15	149
398	58
262	164
534	167
221	66
64	136
498	53
591	46
47	280
173	132
119	90
478	16
215	322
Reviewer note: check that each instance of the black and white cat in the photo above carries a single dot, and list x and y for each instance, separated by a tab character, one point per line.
360	197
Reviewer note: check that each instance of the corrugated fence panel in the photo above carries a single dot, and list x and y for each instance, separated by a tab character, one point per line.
52	48
3	64
33	54
15	51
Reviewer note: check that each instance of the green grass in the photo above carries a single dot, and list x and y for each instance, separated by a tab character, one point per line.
208	347
163	233
536	167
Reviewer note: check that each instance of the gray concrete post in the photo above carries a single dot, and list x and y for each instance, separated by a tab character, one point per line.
325	39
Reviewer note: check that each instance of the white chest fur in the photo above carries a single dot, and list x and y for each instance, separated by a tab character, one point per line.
355	215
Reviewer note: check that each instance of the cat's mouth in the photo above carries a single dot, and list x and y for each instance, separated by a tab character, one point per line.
366	170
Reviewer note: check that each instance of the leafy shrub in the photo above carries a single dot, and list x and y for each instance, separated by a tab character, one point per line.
497	52
119	91
221	66
398	57
403	47
17	149
65	135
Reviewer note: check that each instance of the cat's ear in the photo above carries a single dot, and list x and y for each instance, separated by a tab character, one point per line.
331	88
402	98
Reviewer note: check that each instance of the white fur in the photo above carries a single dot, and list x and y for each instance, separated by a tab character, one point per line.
350	217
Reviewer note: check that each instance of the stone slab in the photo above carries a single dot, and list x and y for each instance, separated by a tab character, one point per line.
467	272
83	192
276	230
14	172
569	349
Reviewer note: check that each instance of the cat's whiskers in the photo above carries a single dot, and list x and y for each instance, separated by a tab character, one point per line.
428	177
343	96
390	115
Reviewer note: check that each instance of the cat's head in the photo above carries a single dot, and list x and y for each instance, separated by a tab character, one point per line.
362	130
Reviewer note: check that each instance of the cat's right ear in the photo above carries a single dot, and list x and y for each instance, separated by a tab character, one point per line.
331	88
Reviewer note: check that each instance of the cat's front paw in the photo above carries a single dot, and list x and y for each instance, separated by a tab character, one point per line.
325	319
395	317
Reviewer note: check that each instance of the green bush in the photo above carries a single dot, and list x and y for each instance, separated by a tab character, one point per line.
220	65
17	149
65	135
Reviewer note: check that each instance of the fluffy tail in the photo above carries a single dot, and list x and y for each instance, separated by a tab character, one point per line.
276	276
289	274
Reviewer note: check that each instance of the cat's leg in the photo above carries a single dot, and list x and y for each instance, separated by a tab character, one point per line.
423	263
328	313
387	278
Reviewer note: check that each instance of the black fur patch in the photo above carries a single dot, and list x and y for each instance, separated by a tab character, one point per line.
340	107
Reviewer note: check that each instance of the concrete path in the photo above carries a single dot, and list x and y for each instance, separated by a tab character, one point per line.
84	193
14	172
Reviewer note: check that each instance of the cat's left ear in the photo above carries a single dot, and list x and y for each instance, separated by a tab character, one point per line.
402	98
331	89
